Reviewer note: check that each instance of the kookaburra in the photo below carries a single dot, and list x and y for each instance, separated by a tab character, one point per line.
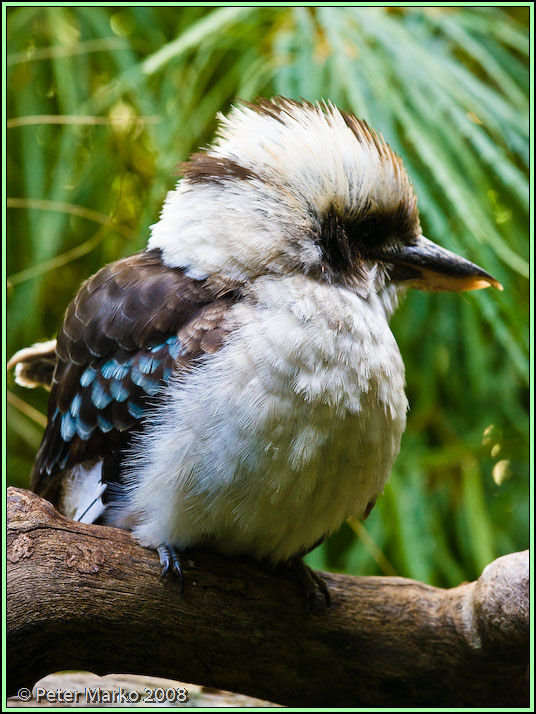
236	385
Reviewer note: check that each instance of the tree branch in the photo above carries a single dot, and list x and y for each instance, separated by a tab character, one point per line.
88	597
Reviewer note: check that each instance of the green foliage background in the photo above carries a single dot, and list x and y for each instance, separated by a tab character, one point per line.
103	103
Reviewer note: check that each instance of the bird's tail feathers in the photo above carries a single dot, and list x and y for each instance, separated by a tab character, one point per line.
34	366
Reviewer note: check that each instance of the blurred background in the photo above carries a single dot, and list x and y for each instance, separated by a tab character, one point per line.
104	102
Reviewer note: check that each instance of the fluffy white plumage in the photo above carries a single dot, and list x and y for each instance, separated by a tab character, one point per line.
289	429
82	494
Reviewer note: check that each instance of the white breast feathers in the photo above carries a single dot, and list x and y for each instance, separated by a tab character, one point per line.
277	438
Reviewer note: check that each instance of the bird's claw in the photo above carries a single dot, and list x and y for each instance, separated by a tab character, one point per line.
311	582
169	558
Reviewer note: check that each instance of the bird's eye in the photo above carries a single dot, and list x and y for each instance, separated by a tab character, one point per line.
381	229
349	241
368	228
371	232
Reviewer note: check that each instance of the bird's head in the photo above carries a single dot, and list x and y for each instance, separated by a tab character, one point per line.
293	187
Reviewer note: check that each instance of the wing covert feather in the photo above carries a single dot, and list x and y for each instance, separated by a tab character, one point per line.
129	328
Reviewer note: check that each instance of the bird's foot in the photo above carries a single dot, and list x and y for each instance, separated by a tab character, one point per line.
311	582
169	558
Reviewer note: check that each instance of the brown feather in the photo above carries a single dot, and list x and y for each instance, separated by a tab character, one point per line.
126	311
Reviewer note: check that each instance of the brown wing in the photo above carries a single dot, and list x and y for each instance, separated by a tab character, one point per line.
129	328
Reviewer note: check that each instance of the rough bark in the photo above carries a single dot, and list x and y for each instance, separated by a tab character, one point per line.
88	597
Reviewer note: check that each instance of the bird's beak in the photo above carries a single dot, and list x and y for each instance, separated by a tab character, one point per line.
427	266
